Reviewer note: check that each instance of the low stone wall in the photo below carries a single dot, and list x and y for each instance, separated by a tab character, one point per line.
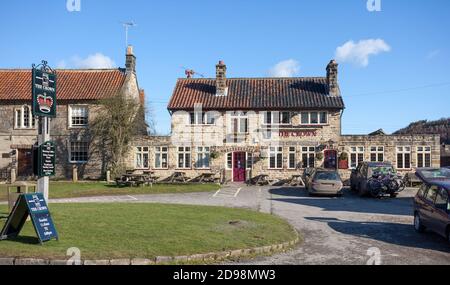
159	260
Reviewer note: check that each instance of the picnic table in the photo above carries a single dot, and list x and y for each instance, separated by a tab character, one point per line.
262	179
178	176
296	180
134	179
208	177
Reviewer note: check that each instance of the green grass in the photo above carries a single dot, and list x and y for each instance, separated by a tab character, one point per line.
91	189
108	231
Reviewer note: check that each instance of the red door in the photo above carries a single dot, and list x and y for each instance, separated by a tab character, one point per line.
330	161
239	167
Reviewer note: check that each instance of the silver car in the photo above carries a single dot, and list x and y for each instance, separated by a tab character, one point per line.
325	182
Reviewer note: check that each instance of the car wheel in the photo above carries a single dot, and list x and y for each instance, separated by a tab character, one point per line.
418	226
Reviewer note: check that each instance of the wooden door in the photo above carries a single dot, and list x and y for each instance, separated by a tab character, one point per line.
24	162
239	167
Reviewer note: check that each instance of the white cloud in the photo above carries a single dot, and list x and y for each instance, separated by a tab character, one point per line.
359	53
285	68
93	61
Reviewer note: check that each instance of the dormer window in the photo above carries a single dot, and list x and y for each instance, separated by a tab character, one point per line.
78	116
23	118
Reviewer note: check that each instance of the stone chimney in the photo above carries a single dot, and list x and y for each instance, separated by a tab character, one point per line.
130	62
221	79
332	78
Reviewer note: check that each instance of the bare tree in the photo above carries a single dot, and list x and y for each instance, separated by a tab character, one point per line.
116	123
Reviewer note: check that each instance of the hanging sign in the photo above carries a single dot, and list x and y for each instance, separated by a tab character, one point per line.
44	91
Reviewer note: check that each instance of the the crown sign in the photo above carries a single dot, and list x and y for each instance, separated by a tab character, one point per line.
45	103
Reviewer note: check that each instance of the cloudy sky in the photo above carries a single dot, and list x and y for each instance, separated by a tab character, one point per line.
394	63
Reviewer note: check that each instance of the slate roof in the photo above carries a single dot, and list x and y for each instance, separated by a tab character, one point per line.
76	84
255	93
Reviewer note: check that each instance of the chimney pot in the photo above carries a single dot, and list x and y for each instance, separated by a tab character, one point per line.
130	62
221	79
332	78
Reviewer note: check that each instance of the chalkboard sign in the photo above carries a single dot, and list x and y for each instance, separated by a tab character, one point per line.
35	206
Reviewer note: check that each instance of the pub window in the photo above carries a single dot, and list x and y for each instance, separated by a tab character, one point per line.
403	157
161	157
276	157
203	157
78	116
308	157
23	118
184	157
202	118
229	160
277	118
423	156
141	158
377	154
239	123
314	118
249	159
78	152
292	158
356	156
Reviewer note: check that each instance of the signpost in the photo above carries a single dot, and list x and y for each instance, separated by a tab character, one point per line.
35	206
44	106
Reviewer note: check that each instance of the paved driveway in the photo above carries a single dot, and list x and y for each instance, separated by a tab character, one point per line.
347	230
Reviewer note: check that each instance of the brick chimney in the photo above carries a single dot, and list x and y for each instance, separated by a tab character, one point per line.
130	62
332	78
221	79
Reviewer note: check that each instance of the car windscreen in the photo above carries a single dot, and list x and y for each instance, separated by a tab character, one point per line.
382	170
327	176
442	173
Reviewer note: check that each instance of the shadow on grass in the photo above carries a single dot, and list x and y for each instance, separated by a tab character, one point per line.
25	240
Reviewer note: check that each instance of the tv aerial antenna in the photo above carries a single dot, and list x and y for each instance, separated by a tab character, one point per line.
190	72
128	25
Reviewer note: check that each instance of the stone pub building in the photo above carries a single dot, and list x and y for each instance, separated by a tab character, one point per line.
244	127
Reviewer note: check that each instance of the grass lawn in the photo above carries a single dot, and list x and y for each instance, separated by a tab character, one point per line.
108	231
88	189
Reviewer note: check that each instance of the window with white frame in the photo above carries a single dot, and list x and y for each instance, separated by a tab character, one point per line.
203	157
277	118
184	157
249	159
141	157
78	152
314	118
239	123
276	157
229	160
356	156
202	118
377	153
403	157
23	118
161	157
78	116
292	160
308	156
423	156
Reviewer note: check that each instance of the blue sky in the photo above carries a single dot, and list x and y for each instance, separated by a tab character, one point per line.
395	70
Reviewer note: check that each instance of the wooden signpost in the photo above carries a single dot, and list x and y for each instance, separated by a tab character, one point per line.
44	107
33	205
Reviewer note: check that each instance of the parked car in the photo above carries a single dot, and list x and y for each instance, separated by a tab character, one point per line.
366	171
431	204
325	182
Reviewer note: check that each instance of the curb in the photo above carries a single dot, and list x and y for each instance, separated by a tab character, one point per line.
159	260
